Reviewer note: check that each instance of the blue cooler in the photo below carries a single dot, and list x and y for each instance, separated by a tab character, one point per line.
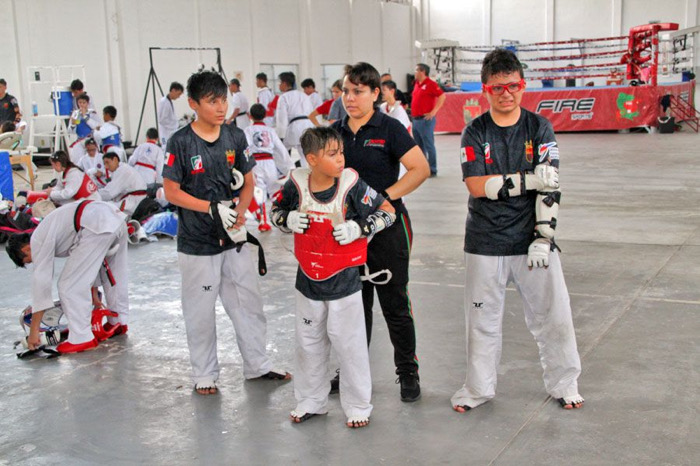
62	101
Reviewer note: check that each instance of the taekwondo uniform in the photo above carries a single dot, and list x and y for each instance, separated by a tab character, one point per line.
292	119
82	126
148	159
87	235
127	189
265	97
239	101
92	165
109	136
73	185
167	120
271	157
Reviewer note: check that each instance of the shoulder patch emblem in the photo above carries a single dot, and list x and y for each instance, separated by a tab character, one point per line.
369	196
487	153
197	165
529	152
231	157
548	151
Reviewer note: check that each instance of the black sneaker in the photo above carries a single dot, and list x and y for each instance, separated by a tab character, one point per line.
410	386
335	383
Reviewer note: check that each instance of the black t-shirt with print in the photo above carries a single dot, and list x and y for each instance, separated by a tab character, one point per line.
504	228
9	109
360	202
203	170
374	152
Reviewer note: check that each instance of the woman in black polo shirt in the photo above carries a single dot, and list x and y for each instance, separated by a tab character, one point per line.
375	145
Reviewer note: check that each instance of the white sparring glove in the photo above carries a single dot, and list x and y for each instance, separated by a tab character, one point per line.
548	175
227	214
347	232
538	253
238	179
297	221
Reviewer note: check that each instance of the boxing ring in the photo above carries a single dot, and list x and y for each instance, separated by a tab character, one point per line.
608	83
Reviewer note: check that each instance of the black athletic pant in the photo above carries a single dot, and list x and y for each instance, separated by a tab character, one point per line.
391	249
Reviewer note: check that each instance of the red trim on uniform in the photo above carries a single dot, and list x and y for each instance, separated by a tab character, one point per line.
141	164
262	156
79	214
261	123
171	159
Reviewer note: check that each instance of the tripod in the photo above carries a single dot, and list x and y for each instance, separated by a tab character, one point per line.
153	80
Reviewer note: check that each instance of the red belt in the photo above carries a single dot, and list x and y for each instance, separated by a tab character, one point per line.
79	214
262	156
76	224
152	167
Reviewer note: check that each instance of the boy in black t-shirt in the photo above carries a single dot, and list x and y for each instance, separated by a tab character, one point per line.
205	162
510	165
332	212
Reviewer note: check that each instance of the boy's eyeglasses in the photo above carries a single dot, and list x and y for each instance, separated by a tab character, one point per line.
498	89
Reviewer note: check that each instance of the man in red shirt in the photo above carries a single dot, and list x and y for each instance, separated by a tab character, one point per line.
427	100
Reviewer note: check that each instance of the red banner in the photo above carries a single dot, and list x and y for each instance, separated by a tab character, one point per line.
572	109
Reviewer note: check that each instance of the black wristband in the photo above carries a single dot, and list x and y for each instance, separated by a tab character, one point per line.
386	195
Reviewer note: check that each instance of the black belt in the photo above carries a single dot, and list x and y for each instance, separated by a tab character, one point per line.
134	193
421	117
298	118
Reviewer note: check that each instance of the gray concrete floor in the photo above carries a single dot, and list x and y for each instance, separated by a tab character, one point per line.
630	234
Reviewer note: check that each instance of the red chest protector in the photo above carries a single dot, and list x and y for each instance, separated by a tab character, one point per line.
87	187
319	254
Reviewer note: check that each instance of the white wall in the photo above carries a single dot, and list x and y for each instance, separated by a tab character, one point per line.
111	38
488	22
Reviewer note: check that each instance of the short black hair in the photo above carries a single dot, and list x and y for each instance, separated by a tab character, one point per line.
257	111
314	140
15	245
500	61
76	85
338	84
90	141
364	73
424	68
84	97
110	155
261	77
111	111
176	86
3	82
205	84
390	84
235	81
152	133
308	82
288	78
62	158
7	126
